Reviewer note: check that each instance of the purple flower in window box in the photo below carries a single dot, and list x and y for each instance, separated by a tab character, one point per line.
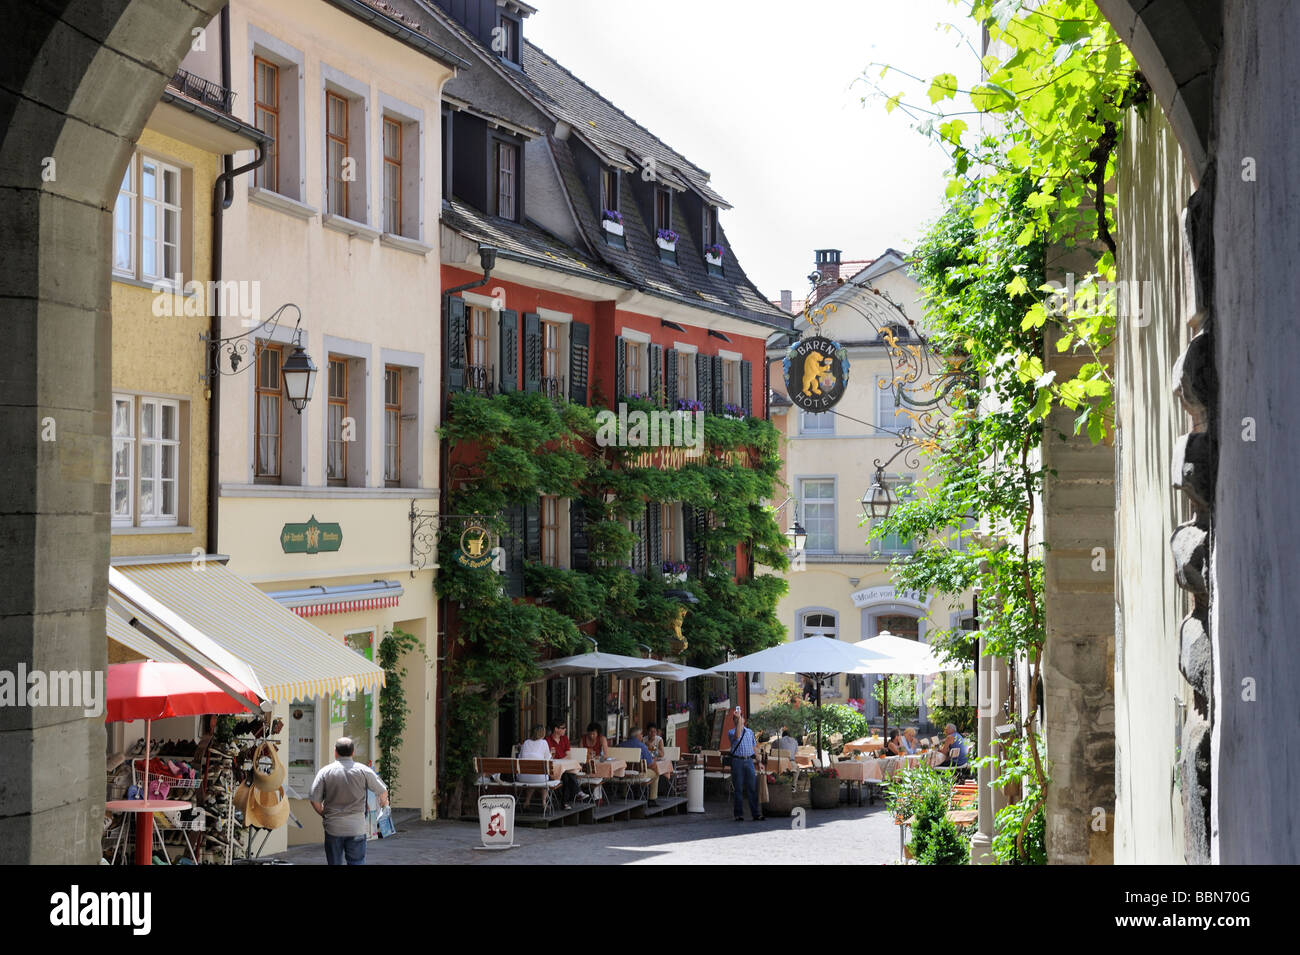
714	251
673	568
612	215
689	404
667	238
733	411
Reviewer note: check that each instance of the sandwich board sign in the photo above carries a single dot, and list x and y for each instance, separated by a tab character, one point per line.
496	822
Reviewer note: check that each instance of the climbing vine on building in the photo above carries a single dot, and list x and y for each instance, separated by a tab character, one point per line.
1027	190
518	446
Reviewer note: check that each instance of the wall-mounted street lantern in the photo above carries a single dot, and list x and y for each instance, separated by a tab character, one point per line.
298	370
880	497
798	536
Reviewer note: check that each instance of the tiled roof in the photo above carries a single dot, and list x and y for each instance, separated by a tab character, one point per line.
615	135
523	241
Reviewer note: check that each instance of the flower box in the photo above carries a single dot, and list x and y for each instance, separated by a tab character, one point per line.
666	245
615	228
715	260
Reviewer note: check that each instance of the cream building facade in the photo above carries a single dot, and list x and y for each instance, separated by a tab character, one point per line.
841	585
342	222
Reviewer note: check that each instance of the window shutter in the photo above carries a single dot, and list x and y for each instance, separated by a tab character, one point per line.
579	553
701	553
513	546
532	531
656	362
670	379
715	379
704	382
654	535
532	351
639	545
747	386
620	369
579	350
457	334
509	350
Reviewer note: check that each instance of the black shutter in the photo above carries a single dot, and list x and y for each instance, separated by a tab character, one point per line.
715	377
656	362
532	531
532	351
512	543
670	379
654	535
747	386
689	537
620	369
579	348
579	553
457	335
701	553
509	350
704	382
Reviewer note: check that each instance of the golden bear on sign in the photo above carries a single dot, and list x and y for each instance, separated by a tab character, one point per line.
814	366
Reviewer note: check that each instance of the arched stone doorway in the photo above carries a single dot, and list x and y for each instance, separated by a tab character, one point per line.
81	77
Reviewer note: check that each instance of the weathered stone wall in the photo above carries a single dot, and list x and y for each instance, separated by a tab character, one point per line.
1255	564
1151	695
81	78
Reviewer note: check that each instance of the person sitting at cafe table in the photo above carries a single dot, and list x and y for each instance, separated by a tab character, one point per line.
653	740
558	741
594	741
536	747
635	741
953	751
909	741
894	746
787	742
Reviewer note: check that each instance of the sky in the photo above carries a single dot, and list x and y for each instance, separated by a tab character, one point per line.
766	96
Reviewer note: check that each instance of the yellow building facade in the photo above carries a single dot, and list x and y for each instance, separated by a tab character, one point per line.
841	584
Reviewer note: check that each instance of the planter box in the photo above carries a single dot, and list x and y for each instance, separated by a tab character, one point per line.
713	259
825	793
611	226
666	245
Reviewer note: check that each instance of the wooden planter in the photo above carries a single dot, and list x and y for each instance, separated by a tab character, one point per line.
780	799
825	792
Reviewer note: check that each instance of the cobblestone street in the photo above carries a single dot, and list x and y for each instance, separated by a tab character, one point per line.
847	835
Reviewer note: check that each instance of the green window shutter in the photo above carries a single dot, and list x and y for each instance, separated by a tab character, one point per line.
532	351
533	531
654	536
509	350
579	550
620	369
457	340
512	543
747	386
579	356
670	379
704	382
656	362
715	379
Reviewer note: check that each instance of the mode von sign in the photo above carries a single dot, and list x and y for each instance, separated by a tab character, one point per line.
816	373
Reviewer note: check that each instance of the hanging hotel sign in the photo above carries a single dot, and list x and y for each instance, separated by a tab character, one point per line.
474	550
816	373
310	538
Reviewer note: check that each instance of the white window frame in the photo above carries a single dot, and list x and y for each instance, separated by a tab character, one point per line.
160	207
804	501
127	520
830	684
127	192
822	418
146	444
887	415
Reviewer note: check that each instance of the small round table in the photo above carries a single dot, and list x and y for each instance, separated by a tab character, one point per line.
144	822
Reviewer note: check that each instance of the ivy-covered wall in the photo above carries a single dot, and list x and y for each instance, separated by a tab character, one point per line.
511	448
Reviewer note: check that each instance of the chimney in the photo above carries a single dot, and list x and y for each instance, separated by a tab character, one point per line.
787	300
827	262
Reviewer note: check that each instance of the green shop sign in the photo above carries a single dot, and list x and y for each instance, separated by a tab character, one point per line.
310	538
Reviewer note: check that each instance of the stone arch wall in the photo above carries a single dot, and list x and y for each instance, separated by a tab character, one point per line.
80	79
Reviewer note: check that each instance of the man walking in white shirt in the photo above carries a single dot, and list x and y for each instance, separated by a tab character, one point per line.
339	795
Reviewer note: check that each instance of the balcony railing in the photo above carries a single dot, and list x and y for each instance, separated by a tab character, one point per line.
553	388
480	379
204	91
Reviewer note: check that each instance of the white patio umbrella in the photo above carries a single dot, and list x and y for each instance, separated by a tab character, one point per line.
596	662
900	655
814	657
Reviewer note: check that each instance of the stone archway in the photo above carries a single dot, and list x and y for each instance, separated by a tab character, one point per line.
81	78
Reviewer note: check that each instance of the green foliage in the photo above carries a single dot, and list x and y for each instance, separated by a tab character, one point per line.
957	688
393	708
924	794
904	703
525	445
945	845
1017	841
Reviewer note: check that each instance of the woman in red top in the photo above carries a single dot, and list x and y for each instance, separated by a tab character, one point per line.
558	741
594	741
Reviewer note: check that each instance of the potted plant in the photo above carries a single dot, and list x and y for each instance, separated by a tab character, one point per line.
667	240
676	570
825	788
612	221
713	254
780	794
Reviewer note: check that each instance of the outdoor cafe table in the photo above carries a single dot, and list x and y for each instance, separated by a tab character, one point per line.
867	744
663	767
609	768
561	766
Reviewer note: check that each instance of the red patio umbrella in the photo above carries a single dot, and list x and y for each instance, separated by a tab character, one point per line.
149	690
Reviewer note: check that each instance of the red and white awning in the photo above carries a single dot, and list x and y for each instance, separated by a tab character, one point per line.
346	606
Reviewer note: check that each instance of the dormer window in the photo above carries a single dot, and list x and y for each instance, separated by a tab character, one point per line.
663	210
505	39
713	249
609	190
507	180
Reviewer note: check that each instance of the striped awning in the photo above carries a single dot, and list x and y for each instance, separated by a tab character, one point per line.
346	606
293	659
